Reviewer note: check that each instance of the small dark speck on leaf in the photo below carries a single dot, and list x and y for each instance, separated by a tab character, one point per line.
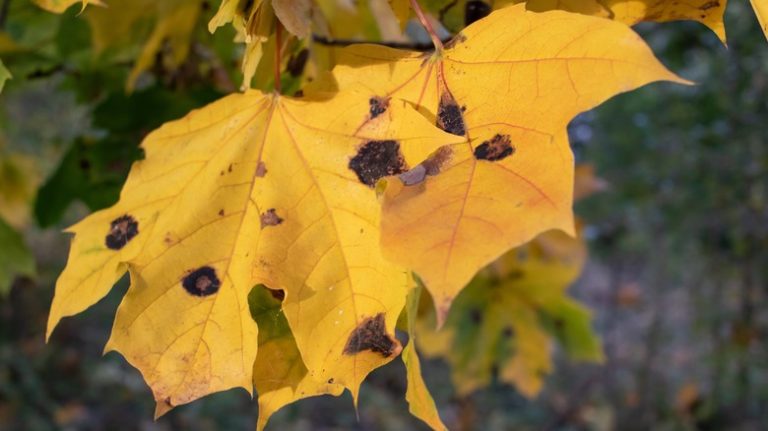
201	282
377	159
371	334
494	149
121	230
261	169
270	218
379	106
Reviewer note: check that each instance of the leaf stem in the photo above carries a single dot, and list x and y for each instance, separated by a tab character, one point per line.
278	49
427	25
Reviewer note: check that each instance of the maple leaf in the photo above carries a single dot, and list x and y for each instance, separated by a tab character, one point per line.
707	12
761	10
507	85
252	189
173	22
279	373
506	318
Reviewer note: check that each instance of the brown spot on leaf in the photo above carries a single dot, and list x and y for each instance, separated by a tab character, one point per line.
508	332
221	212
496	148
709	5
270	218
431	166
377	159
201	282
449	115
121	230
229	169
459	38
379	106
261	169
330	381
371	335
476	316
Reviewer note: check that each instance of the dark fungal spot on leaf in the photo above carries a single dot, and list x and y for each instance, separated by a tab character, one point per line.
475	316
449	115
377	159
201	282
121	230
508	332
475	10
221	213
709	5
270	218
378	106
371	335
494	149
459	38
330	381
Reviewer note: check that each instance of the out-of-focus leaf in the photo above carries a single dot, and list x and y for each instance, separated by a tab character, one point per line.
761	10
59	6
504	322
15	257
4	75
19	178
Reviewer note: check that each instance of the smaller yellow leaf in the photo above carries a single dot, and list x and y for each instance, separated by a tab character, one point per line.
420	402
59	6
279	373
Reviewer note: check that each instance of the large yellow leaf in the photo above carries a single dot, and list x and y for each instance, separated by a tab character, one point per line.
508	85
279	374
707	12
252	189
761	10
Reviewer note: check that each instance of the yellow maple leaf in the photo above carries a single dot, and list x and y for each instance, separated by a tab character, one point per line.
279	373
508	85
707	12
252	189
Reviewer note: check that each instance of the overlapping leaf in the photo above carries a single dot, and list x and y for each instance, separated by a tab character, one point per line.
707	12
507	85
279	374
761	10
252	189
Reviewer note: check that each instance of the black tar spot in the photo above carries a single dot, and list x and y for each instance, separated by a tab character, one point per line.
496	148
371	335
201	282
449	116
377	159
121	230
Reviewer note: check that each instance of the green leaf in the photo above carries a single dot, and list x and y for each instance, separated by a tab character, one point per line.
15	257
4	75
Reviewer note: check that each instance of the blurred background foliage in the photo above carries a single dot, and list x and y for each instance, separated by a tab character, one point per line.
676	278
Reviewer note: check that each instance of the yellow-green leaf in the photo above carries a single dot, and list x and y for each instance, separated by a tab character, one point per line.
252	189
15	257
420	402
279	373
508	316
59	6
507	85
